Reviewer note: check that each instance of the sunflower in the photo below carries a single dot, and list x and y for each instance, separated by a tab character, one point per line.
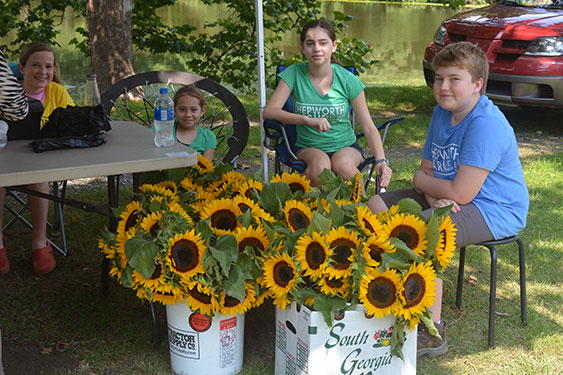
410	229
245	203
169	185
150	223
260	214
203	199
201	298
358	191
222	214
185	254
260	298
297	214
386	215
374	247
188	184
295	181
281	302
344	245
413	322
367	221
154	283
247	187
279	274
446	246
232	177
417	290
254	237
312	254
132	215
175	208
171	297
204	165
332	286
151	191
232	306
378	292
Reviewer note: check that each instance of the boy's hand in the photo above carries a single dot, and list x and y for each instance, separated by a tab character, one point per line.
384	173
446	202
320	124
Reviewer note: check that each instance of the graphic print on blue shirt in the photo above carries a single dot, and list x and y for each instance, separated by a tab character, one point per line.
334	112
445	160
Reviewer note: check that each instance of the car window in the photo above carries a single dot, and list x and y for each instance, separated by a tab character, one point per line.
534	3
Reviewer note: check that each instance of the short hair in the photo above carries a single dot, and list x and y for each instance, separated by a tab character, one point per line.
464	55
30	48
190	90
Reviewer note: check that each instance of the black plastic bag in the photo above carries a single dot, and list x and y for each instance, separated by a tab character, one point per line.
75	121
46	144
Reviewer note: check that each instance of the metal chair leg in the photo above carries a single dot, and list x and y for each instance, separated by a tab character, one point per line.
523	304
155	327
460	277
492	296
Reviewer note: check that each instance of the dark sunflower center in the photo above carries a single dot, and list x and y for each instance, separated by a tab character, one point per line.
283	274
132	220
315	255
334	283
185	255
381	292
342	251
295	186
406	234
224	219
368	226
231	301
157	272
253	242
375	253
298	219
200	297
415	288
153	229
243	207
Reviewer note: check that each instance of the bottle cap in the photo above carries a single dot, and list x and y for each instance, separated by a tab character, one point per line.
164	90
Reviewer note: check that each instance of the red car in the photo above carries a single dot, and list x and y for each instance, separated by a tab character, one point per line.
523	40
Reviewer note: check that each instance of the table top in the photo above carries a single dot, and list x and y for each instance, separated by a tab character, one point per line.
129	148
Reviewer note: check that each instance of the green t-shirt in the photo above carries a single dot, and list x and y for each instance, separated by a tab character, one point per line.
334	106
205	139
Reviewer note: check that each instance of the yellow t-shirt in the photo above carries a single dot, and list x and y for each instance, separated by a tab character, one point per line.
55	96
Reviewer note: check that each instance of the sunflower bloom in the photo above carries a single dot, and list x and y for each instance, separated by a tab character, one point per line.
247	187
169	185
279	274
185	253
312	253
417	290
232	306
154	191
130	217
378	293
223	214
295	181
201	298
410	229
254	237
358	191
343	245
386	215
446	246
332	286
297	215
204	165
245	203
374	247
368	222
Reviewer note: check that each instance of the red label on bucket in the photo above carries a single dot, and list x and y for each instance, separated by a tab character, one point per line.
228	323
199	322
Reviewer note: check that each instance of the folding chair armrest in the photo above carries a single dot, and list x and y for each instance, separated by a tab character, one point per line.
383	126
275	135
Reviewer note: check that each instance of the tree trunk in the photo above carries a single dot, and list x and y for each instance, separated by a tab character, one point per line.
108	23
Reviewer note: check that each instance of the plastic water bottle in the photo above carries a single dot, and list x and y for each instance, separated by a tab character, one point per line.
92	93
3	134
163	120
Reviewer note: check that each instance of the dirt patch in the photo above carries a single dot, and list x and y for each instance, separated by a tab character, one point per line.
24	357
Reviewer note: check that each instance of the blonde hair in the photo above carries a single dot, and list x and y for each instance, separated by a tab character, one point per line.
464	55
190	90
30	48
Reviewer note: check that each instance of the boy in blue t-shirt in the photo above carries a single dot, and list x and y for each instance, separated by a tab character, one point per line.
470	160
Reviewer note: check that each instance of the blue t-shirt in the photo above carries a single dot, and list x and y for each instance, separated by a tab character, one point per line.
483	139
334	106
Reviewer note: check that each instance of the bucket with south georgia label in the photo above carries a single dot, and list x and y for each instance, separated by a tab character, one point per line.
204	346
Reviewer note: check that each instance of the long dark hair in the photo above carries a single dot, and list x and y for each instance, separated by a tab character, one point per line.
327	26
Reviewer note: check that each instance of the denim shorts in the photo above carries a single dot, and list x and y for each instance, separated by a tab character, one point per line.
355	146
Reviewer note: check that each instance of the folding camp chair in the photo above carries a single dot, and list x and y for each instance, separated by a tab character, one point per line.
281	138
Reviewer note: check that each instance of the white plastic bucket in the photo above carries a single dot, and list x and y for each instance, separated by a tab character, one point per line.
203	346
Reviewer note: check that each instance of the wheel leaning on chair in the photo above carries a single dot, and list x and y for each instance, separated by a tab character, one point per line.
133	97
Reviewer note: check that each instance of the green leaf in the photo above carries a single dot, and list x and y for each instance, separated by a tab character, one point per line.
403	250
328	305
395	261
442	211
236	284
225	251
141	255
432	235
273	197
320	223
203	228
398	339
410	206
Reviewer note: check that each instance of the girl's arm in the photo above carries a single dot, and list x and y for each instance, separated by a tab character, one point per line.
274	110
462	189
209	153
372	136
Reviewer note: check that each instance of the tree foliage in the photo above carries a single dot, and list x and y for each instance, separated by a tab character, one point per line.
225	50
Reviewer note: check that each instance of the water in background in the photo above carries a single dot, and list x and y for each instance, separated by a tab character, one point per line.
398	33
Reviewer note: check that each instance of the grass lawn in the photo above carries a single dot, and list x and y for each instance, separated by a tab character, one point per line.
60	323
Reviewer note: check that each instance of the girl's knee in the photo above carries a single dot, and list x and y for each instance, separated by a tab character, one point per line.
376	204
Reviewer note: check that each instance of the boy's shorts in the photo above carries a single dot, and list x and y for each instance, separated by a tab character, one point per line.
470	224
